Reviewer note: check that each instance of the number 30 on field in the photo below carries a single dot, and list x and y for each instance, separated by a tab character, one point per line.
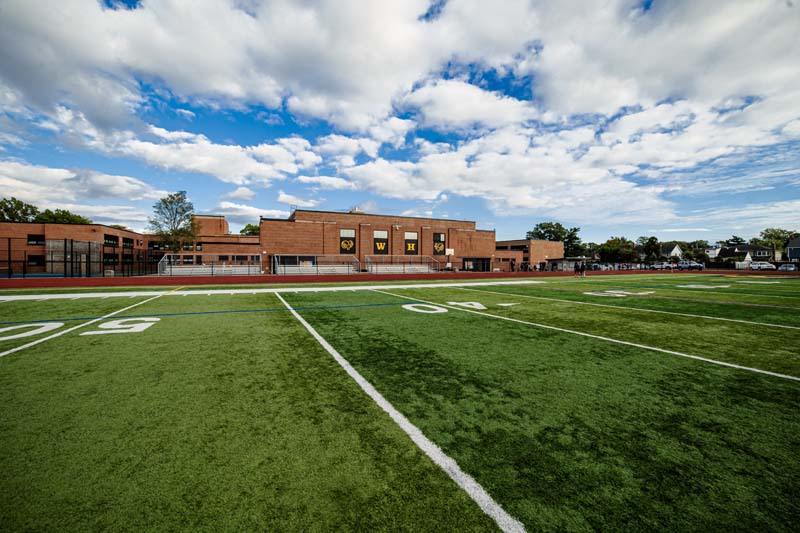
125	325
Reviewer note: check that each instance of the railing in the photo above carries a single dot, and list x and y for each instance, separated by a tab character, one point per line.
315	264
401	264
174	265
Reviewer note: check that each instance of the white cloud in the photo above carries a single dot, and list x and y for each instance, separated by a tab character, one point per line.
240	193
294	200
327	182
344	149
246	214
455	105
41	185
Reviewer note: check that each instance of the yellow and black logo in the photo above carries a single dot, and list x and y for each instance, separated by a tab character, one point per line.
347	244
411	246
438	246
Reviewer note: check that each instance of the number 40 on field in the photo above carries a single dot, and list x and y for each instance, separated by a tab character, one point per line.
124	325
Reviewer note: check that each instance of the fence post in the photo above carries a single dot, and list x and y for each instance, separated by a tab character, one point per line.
65	258
9	258
24	263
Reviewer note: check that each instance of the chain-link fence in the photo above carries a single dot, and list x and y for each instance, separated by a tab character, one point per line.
68	258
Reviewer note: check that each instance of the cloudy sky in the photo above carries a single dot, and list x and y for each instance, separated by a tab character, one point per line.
674	118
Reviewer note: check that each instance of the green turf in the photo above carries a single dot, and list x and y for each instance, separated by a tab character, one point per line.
220	422
227	415
573	434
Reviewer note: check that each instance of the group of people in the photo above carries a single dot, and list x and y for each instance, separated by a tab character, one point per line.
580	269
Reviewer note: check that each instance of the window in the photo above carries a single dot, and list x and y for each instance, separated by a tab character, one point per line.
347	241
188	247
199	247
35	260
223	258
187	259
411	243
154	245
255	258
110	258
110	240
127	243
240	258
380	242
37	240
438	244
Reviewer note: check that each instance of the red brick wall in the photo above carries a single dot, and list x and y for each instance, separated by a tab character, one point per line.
317	232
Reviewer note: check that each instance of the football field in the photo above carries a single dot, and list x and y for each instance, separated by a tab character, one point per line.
636	402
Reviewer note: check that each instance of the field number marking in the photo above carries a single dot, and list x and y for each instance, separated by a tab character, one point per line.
424	308
126	325
73	328
40	328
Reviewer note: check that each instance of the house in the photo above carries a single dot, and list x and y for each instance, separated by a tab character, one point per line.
793	250
671	250
746	252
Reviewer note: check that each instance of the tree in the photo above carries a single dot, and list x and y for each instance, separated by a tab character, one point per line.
250	229
775	237
554	231
13	210
119	226
172	220
618	250
651	246
60	216
735	241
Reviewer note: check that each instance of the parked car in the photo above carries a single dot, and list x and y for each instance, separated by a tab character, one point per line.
690	265
663	265
788	268
761	265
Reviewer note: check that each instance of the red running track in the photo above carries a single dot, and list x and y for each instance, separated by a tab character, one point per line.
150	281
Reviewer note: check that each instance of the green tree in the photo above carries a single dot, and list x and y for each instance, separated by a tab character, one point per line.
13	210
651	246
734	241
119	226
775	237
250	229
618	250
172	220
60	216
554	231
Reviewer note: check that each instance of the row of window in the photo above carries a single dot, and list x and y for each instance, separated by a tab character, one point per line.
380	242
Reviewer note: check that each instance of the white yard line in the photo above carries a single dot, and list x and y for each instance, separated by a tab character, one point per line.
277	290
634	309
608	339
63	332
475	491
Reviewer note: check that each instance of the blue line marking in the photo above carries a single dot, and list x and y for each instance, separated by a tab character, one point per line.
190	313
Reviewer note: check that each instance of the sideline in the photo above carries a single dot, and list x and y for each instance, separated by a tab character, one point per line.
607	339
475	491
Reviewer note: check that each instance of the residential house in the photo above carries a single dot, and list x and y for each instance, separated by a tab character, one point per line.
669	250
793	250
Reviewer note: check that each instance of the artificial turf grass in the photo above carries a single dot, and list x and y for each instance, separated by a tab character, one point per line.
761	314
751	345
572	433
243	423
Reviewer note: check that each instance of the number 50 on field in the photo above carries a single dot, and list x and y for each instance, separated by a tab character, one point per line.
125	325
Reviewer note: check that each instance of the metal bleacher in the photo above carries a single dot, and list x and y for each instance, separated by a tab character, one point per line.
401	264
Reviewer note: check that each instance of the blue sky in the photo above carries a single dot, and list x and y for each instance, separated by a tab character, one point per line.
678	119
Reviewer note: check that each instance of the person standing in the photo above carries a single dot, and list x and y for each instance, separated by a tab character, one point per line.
583	269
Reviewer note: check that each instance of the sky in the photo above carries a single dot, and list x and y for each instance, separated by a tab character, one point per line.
679	119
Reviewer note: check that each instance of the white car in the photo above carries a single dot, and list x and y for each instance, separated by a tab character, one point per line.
788	268
761	265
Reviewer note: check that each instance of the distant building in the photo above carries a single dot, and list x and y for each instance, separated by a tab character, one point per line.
531	252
